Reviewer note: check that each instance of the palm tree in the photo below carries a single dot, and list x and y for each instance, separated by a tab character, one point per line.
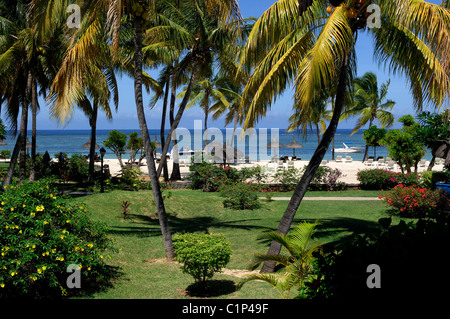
204	93
297	265
23	67
368	103
206	37
314	50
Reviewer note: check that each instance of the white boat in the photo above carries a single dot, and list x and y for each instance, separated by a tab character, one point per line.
346	149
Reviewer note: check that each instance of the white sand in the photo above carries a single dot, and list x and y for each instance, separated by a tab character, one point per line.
349	169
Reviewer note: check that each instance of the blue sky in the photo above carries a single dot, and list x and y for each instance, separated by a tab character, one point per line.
126	118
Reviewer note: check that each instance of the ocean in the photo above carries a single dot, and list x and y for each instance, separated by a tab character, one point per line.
71	141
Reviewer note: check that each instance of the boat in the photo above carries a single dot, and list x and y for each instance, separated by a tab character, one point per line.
347	149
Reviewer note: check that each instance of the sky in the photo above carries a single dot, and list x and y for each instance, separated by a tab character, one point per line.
277	117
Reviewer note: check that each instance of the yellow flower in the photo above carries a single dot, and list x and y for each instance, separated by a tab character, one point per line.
33	214
13	274
45	222
39	270
68	221
12	209
24	205
2	285
44	267
40	208
90	245
3	203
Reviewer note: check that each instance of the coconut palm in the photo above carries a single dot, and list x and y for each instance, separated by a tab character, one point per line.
24	67
206	39
368	104
314	50
297	266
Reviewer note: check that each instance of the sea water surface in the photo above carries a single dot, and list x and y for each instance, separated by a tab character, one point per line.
71	141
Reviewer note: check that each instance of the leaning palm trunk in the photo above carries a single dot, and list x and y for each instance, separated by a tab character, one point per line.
176	174
311	169
163	221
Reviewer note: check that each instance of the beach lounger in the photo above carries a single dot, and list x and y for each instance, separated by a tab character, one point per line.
439	161
422	163
369	162
290	164
339	159
324	163
391	165
348	159
381	162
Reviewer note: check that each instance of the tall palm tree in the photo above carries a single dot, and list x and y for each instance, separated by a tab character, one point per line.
368	104
204	93
206	36
314	50
23	67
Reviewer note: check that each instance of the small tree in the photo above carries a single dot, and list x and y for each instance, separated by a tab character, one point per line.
402	146
135	144
373	136
433	132
116	142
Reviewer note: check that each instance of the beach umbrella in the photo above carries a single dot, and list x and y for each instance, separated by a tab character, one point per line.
157	144
294	144
3	143
87	145
274	144
215	145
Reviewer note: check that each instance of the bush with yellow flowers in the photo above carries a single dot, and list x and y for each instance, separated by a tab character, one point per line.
41	234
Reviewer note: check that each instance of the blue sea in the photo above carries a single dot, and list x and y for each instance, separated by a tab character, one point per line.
71	141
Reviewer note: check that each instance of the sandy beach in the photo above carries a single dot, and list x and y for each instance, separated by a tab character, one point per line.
349	169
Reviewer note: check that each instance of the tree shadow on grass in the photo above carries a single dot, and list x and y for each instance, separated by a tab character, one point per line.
145	226
213	288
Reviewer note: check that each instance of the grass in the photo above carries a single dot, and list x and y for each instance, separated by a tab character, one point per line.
146	274
345	193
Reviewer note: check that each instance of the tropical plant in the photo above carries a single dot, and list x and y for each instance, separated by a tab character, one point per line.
314	50
297	265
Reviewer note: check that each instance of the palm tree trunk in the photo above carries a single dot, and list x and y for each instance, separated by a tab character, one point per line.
93	124
12	163
163	124
163	221
206	123
177	119
23	129
33	130
311	169
176	174
366	152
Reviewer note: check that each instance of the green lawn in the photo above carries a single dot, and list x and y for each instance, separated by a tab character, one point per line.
145	273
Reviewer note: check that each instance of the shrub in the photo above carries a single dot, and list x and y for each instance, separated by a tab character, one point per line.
430	178
416	202
384	179
78	168
40	235
288	178
377	179
202	255
240	196
209	177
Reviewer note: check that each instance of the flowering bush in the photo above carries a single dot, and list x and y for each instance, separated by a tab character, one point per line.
416	202
327	178
40	236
